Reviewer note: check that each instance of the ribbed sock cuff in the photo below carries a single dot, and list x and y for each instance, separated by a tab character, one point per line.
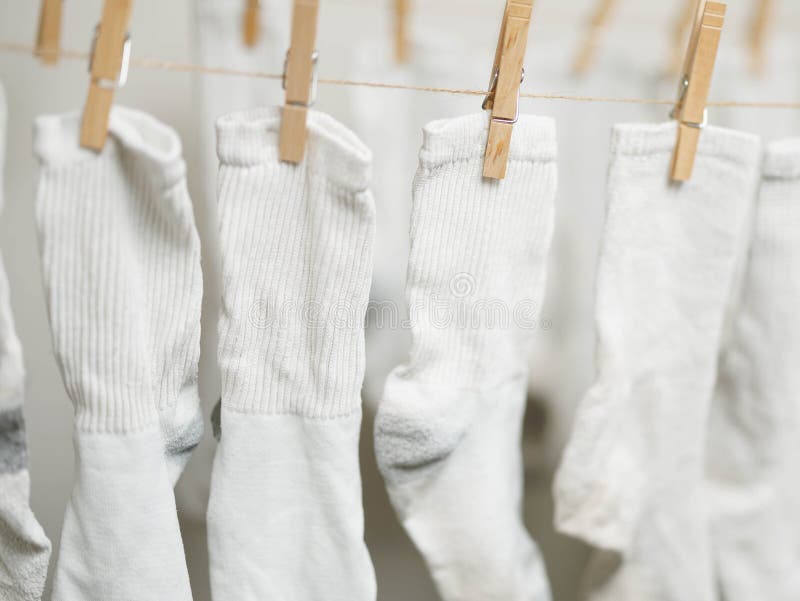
250	138
477	264
155	147
648	139
121	267
296	257
464	138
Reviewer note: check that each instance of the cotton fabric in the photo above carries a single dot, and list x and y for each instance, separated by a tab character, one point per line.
448	430
632	478
24	547
121	261
285	518
754	435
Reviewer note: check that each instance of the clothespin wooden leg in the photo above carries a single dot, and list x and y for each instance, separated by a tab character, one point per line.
685	152
758	34
401	46
96	113
690	110
109	70
682	24
293	133
251	23
503	97
299	80
587	50
497	148
48	38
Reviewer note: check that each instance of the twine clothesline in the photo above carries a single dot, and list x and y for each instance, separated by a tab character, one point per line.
166	65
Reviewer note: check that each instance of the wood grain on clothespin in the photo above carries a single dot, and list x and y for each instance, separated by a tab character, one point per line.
503	96
251	23
758	34
682	25
401	45
48	37
690	110
108	71
588	49
299	80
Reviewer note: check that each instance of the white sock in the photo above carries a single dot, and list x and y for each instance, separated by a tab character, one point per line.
24	547
754	442
631	478
121	260
285	519
447	434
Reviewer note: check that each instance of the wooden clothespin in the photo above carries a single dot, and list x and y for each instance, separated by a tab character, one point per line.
299	80
758	34
679	34
690	110
503	95
401	46
48	38
109	70
587	51
251	24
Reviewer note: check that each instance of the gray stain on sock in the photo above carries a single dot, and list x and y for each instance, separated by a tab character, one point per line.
216	420
185	441
13	448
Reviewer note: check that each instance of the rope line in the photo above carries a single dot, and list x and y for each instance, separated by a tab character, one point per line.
165	65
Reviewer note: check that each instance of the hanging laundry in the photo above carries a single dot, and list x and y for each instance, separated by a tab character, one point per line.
754	435
631	480
448	430
24	547
285	517
121	260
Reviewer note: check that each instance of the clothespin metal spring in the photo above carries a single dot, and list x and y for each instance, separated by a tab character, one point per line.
676	110
108	67
312	95
122	78
299	81
691	107
488	101
504	86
